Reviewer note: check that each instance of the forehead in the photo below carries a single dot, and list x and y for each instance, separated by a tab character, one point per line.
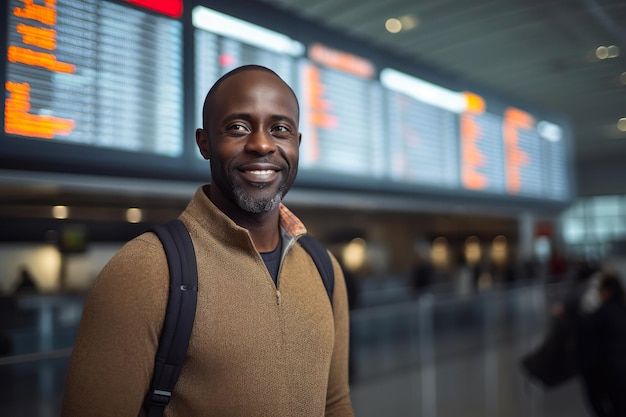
252	86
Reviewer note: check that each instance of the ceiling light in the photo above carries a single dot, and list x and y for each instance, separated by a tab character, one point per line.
602	52
60	212
133	215
622	78
621	124
393	25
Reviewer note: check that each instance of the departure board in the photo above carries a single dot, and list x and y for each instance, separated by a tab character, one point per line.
423	142
535	156
454	139
342	115
508	154
96	73
107	76
554	167
482	152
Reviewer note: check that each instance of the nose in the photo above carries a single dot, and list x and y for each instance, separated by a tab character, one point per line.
261	143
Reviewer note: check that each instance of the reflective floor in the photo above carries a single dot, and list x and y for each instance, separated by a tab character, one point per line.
463	387
442	355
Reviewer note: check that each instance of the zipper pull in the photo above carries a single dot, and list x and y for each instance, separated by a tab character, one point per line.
277	297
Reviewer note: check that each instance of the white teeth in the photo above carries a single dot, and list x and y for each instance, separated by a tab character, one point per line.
262	172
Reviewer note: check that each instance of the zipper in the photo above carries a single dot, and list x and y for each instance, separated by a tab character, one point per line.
290	243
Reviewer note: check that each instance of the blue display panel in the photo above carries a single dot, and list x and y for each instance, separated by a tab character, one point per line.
95	73
128	83
342	115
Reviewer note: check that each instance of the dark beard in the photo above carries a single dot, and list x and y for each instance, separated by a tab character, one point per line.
249	204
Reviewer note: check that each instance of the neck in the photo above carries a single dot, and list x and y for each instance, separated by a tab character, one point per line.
264	230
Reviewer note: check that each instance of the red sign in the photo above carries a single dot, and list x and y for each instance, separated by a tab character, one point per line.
172	8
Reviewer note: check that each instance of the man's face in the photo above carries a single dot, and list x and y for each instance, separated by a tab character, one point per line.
252	140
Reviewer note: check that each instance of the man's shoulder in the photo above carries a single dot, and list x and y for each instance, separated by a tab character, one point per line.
141	255
144	245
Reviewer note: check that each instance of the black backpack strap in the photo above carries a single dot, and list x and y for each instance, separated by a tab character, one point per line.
179	316
320	256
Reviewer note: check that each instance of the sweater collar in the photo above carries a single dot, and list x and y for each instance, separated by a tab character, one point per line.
290	223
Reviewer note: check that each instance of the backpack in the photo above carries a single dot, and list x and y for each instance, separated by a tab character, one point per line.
182	301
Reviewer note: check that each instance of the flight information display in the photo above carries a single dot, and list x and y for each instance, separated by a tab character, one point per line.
107	75
444	138
422	141
510	154
482	152
342	115
96	73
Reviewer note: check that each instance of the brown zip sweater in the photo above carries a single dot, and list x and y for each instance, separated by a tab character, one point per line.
255	350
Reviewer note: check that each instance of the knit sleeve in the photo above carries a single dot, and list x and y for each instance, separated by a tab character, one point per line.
113	357
338	403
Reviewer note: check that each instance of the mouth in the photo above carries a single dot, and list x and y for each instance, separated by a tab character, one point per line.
259	175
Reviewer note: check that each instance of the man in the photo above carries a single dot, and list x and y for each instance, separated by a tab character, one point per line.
604	350
266	340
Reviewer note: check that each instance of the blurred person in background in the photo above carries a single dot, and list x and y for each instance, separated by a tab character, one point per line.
25	282
560	356
266	340
603	344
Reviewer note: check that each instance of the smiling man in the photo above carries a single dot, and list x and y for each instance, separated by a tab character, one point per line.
266	339
250	135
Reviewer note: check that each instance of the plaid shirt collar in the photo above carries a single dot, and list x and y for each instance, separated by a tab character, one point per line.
290	223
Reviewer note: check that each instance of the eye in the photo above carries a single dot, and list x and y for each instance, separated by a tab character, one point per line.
236	129
236	126
281	131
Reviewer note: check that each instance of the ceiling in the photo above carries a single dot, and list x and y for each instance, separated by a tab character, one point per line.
540	52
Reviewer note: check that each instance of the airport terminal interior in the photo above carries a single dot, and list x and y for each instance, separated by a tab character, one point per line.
463	161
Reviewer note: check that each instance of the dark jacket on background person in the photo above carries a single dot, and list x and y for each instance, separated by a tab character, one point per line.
603	365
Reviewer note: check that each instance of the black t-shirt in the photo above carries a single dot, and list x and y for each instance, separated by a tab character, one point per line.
272	260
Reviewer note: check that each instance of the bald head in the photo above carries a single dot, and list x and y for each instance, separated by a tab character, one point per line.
209	100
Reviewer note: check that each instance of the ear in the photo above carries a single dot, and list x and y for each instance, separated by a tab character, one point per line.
202	140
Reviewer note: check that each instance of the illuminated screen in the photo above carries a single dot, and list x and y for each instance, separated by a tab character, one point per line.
108	76
94	73
341	115
423	142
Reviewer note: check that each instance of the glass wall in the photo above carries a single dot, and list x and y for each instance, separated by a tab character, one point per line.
595	227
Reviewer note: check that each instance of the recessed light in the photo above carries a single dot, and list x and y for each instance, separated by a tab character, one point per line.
60	212
133	215
602	52
393	25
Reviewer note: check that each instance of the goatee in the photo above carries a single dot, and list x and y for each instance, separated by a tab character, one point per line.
256	205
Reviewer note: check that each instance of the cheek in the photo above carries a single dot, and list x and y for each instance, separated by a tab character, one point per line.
224	151
291	153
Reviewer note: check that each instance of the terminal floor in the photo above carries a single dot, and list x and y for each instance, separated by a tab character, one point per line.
463	390
457	388
435	356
